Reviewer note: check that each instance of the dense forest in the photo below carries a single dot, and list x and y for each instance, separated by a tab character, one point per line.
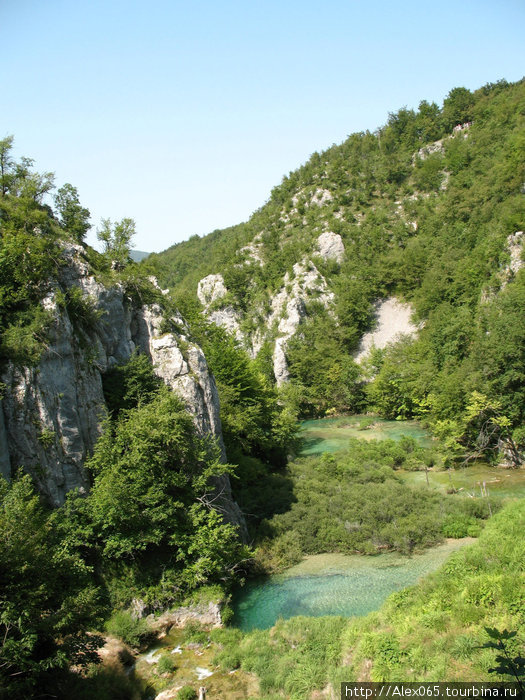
429	210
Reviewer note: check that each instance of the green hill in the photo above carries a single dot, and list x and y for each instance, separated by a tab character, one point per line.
428	210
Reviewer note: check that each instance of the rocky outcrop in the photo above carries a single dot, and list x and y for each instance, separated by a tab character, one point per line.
181	365
208	614
253	252
5	460
210	289
52	413
515	250
288	309
321	197
331	246
507	273
430	149
392	320
229	319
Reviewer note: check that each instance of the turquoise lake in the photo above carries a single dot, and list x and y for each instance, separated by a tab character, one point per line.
333	584
336	584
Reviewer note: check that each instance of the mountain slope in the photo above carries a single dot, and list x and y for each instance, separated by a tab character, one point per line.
427	210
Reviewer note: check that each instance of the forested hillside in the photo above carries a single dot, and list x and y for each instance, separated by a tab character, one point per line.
428	209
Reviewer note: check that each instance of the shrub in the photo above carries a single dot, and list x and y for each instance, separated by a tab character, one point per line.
166	664
123	625
81	309
460	525
194	632
227	660
187	693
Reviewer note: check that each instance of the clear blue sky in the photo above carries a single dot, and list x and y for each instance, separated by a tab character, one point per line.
184	115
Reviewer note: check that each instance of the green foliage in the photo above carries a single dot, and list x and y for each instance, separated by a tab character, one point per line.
124	626
166	664
81	309
460	525
470	591
508	665
254	421
196	633
47	438
152	486
428	175
30	256
353	502
25	338
116	239
318	363
73	217
295	658
130	385
187	693
458	107
47	598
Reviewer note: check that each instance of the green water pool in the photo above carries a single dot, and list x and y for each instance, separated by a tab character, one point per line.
333	434
333	584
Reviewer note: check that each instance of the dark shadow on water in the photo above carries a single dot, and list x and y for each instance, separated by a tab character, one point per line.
309	443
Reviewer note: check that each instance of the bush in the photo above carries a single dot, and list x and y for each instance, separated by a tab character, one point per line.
187	693
227	660
166	664
123	625
459	525
195	632
81	309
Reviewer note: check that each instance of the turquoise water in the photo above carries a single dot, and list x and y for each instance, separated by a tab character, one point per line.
333	434
332	584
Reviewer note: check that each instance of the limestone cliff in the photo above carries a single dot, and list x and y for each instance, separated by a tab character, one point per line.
52	413
286	310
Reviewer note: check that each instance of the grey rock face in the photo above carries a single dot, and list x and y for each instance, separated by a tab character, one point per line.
331	246
182	366
210	289
228	319
52	413
392	322
515	249
288	310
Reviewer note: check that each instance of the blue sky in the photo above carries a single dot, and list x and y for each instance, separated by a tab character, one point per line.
184	115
